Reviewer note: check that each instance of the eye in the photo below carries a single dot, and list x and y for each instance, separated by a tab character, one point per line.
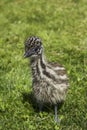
31	46
36	49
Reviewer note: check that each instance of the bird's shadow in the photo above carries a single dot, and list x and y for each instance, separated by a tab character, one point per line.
29	98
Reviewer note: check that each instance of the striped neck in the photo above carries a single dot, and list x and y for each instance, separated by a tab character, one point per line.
38	65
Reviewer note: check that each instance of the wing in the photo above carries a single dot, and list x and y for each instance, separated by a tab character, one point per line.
59	69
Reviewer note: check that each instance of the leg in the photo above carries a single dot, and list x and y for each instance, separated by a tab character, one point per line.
40	107
56	117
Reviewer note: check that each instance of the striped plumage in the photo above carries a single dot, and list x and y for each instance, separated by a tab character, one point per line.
49	81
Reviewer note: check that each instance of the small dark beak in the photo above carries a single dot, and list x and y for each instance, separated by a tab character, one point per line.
25	55
29	53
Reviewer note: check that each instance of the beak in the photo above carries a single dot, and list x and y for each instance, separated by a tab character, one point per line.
29	53
25	55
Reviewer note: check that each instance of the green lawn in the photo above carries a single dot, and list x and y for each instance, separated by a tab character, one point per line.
62	26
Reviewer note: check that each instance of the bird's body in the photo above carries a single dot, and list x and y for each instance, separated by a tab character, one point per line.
49	81
48	85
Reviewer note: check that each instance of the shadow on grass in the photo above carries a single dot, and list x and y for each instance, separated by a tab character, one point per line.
29	98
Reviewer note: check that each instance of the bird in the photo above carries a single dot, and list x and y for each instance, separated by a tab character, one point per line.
49	80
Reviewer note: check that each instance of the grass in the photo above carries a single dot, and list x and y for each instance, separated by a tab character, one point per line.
62	25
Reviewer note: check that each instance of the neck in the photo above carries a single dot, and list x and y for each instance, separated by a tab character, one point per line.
38	65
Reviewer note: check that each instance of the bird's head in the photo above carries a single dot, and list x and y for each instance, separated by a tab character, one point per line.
33	47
